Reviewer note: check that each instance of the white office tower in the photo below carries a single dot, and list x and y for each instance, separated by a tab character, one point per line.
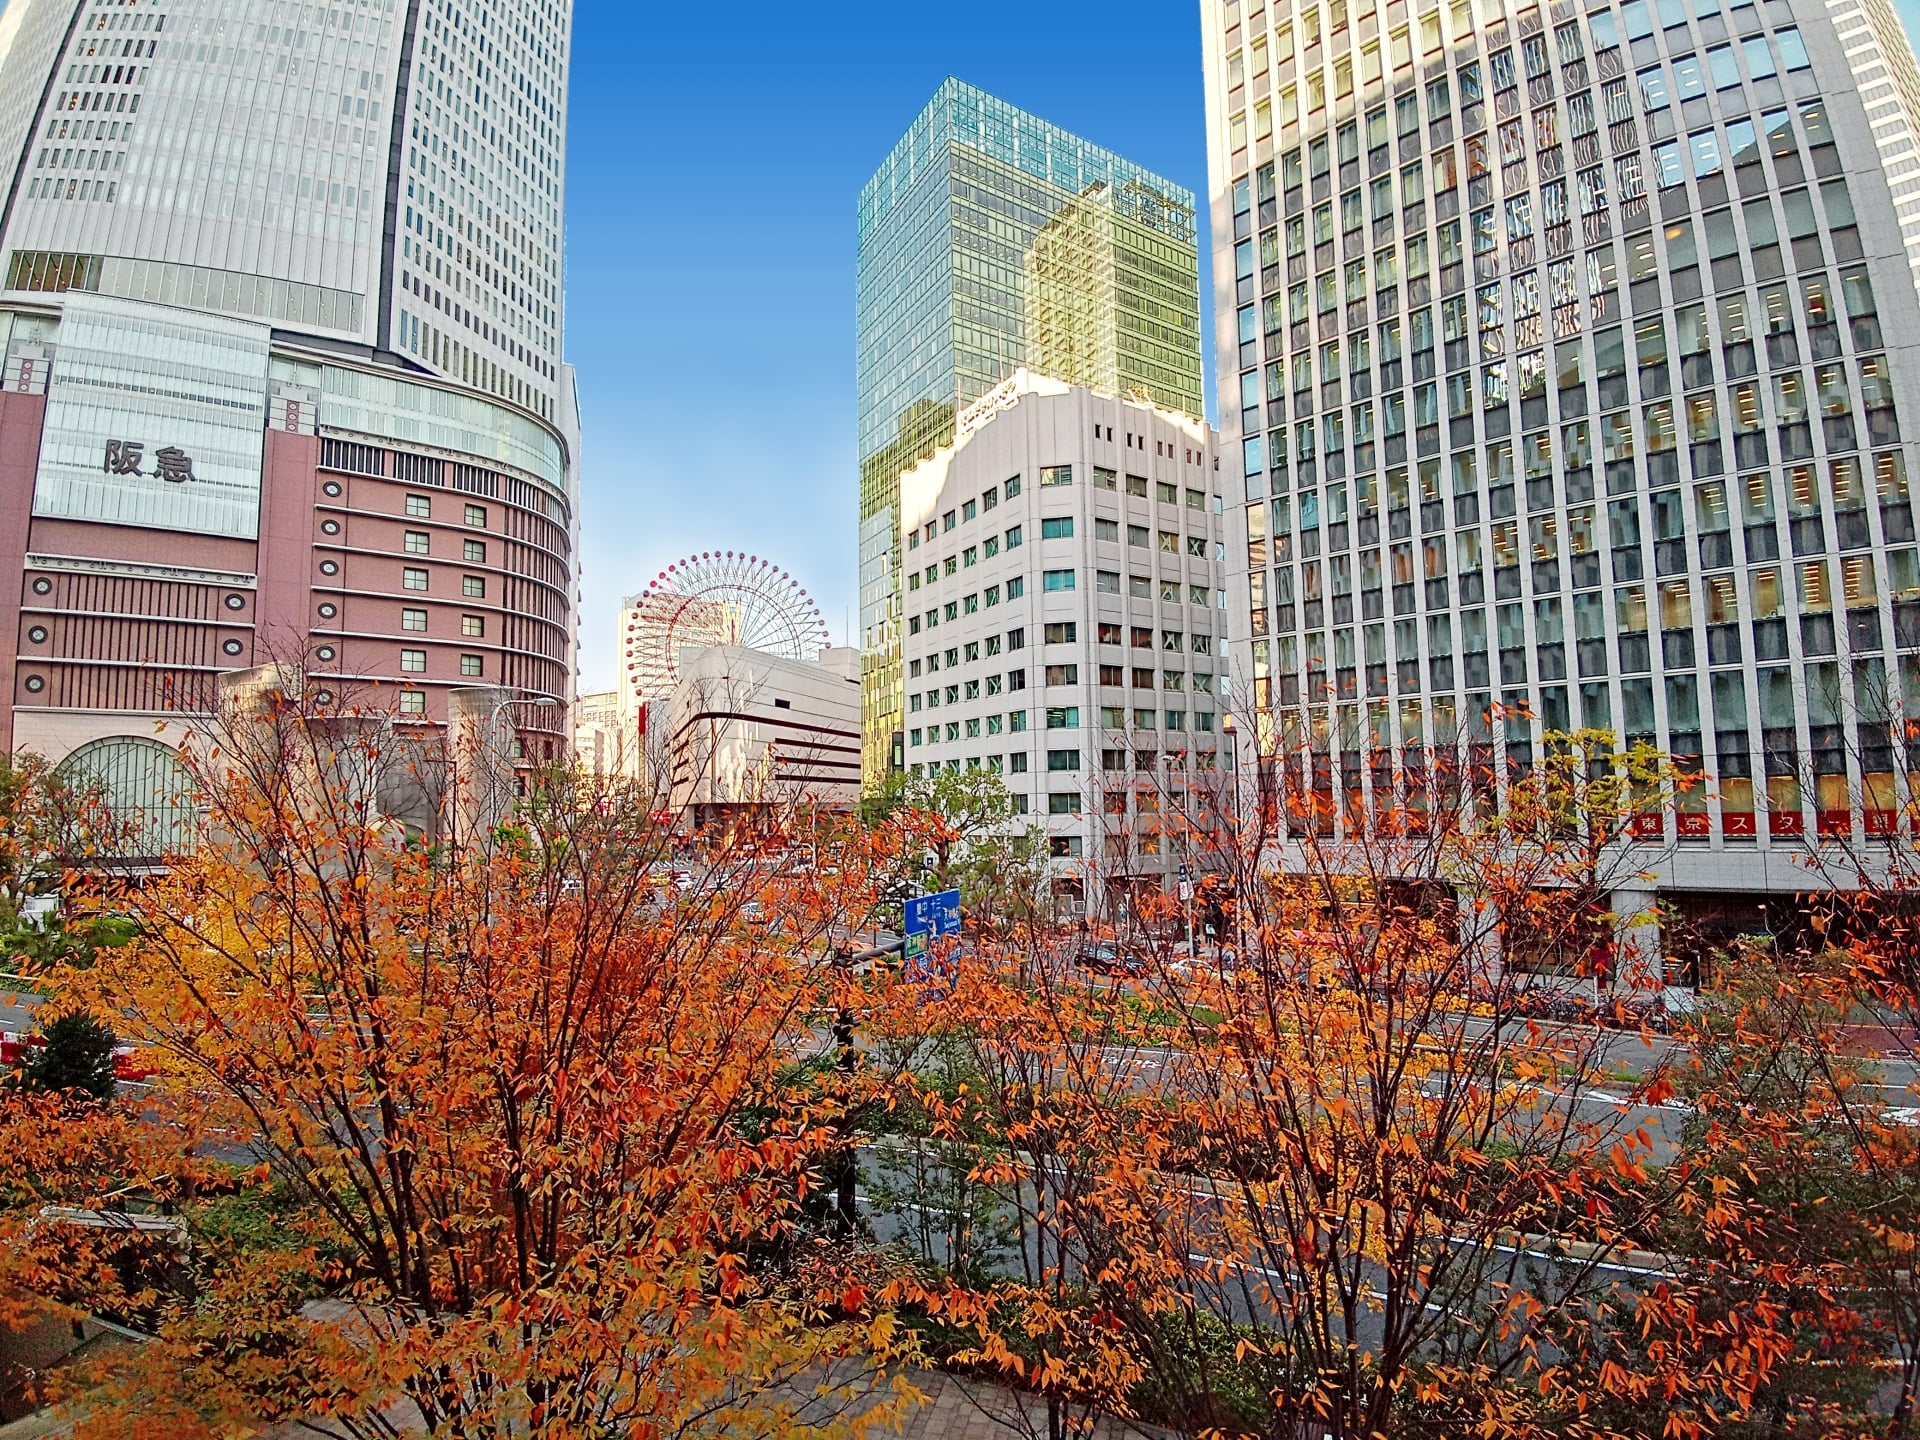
1561	371
1064	570
383	174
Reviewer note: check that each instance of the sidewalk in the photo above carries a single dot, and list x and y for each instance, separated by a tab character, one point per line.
955	1409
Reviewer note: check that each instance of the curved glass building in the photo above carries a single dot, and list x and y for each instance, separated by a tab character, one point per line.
281	314
1560	356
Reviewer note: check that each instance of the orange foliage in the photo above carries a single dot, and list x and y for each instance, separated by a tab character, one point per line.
531	1103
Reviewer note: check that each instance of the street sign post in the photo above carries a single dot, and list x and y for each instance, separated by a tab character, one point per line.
927	918
934	915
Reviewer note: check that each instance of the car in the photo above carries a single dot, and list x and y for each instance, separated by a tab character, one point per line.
1105	957
1203	960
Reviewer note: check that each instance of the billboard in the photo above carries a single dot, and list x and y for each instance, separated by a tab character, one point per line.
155	418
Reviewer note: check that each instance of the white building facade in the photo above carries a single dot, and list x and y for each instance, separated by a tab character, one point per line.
597	750
1065	625
1568	371
748	732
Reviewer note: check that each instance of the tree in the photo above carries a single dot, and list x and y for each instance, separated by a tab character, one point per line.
76	1056
532	1107
1777	1217
1349	1185
53	831
958	829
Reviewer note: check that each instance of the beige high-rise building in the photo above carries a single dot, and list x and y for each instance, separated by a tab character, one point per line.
598	740
1563	355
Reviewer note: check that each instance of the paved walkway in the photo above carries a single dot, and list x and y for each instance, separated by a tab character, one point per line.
955	1409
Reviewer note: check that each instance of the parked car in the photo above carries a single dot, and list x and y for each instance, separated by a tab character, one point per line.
1105	957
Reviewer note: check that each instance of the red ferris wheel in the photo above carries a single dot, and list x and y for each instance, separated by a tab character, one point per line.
718	597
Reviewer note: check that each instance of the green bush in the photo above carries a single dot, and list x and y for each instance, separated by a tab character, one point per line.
77	1057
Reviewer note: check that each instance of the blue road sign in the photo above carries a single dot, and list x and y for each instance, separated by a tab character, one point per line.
934	915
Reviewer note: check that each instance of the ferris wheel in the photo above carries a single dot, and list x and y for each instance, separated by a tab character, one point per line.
716	598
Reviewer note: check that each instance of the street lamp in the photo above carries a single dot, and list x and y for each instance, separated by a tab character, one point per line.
538	702
485	740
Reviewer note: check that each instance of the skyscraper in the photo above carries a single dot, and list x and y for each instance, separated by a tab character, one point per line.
1560	360
282	312
990	240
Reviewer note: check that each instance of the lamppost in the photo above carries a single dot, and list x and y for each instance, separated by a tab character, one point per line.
537	702
481	739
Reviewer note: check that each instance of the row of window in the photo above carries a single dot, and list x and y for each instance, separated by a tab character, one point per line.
1620	522
1065	717
1016	639
1697	417
1107	582
1163	449
1139	537
414	662
1140	677
473	587
1115	676
471	626
1014	680
419	542
1846	487
1503	71
1051	476
1064	632
420	507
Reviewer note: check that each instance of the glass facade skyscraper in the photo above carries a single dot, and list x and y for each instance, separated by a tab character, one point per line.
1566	354
991	240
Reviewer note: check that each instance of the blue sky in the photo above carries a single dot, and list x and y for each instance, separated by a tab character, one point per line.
711	186
711	183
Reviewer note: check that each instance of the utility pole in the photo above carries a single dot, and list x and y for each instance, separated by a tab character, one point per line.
846	1213
847	1161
